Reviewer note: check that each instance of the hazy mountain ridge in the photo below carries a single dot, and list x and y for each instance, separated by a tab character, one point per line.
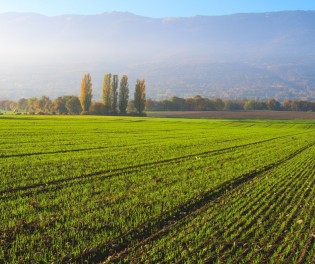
243	55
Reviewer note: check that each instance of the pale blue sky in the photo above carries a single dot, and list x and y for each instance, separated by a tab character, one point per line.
153	8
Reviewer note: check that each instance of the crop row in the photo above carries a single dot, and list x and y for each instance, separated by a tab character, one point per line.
82	212
267	220
89	188
23	171
61	176
24	139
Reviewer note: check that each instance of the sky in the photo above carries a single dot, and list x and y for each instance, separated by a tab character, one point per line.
154	8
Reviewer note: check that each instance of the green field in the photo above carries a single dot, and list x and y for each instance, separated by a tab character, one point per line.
152	190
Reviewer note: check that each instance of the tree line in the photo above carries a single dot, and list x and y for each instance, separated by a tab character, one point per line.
115	100
115	95
198	103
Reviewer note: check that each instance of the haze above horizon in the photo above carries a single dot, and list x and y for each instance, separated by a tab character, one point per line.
153	8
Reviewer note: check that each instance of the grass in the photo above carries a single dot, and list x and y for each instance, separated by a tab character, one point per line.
130	189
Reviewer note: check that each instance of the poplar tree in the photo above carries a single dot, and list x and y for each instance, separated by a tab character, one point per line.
139	96
107	97
86	93
114	93
123	94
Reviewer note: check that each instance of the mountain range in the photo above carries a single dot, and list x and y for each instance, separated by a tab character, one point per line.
259	55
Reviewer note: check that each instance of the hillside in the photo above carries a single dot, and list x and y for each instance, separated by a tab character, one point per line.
242	55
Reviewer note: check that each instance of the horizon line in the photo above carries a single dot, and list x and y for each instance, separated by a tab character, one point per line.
153	17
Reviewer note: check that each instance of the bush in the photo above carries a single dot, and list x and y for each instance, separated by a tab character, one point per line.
97	109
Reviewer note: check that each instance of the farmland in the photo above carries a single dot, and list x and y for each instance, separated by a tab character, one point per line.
132	190
253	114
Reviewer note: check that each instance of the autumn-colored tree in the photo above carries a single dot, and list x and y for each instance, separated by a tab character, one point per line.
32	104
139	96
123	94
97	108
44	104
107	97
86	93
114	93
59	105
13	106
20	105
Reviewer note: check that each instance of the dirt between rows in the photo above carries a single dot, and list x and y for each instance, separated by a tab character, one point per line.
237	114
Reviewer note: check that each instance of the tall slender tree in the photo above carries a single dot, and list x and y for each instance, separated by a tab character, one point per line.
139	96
86	93
123	94
114	93
107	97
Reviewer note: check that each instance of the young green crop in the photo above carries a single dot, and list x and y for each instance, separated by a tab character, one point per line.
143	189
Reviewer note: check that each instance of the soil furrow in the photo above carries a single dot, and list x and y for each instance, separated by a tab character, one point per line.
163	221
258	213
129	169
309	243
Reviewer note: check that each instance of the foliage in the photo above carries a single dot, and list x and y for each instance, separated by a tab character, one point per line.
273	104
140	96
22	105
98	108
106	93
123	94
198	103
59	105
67	105
73	105
86	93
114	93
